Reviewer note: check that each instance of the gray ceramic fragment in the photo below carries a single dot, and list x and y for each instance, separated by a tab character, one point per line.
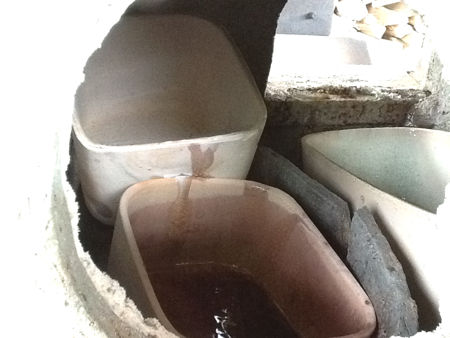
381	275
328	212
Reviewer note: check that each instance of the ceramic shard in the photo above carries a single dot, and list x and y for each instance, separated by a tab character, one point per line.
329	212
381	275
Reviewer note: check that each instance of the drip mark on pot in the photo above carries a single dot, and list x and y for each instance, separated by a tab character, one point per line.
201	160
180	209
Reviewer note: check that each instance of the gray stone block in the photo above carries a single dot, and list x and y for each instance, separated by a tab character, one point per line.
381	275
329	212
310	17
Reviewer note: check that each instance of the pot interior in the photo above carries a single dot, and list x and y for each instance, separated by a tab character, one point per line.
410	164
258	231
165	78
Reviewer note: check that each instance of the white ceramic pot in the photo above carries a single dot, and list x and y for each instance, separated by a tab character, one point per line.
164	96
250	226
400	174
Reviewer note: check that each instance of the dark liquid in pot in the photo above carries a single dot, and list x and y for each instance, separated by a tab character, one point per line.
209	300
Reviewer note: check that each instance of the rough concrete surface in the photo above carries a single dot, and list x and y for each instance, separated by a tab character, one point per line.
434	111
298	111
335	107
50	287
382	277
328	212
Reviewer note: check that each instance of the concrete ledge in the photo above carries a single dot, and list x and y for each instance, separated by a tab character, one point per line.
297	110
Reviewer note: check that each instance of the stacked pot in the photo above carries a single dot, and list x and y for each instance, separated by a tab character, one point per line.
166	126
160	100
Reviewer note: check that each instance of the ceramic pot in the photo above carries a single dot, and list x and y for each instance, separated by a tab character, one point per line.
252	227
164	96
400	174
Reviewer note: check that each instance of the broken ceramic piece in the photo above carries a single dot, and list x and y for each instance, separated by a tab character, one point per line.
252	227
328	211
381	275
164	96
400	174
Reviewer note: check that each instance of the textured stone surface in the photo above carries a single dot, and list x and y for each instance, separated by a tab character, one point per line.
298	111
381	275
335	107
327	211
434	111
